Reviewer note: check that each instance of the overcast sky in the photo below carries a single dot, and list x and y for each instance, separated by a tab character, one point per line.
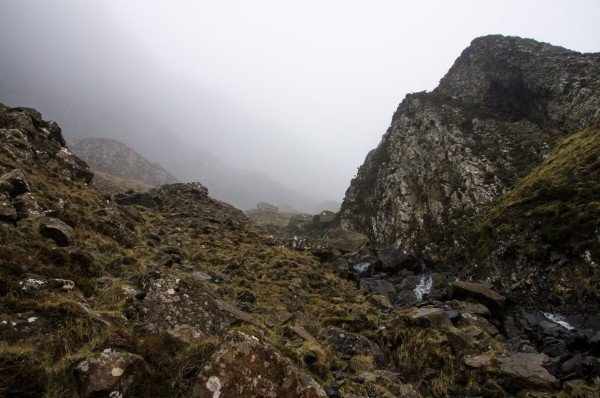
333	72
310	86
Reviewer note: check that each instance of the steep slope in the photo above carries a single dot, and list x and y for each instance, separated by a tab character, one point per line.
547	225
447	153
115	158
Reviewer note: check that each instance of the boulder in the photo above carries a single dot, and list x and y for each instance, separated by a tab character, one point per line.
18	181
379	286
57	230
136	198
431	317
27	206
111	373
247	367
394	259
525	371
267	207
354	344
477	292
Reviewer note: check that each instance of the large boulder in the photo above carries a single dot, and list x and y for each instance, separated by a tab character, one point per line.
18	182
477	292
110	373
525	371
57	230
345	240
247	367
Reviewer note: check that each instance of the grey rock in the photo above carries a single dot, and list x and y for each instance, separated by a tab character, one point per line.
18	181
379	286
478	292
53	228
27	206
525	371
354	344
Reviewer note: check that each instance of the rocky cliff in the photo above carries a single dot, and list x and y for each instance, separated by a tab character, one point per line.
449	152
117	159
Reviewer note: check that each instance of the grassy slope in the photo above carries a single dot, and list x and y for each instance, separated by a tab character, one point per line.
556	207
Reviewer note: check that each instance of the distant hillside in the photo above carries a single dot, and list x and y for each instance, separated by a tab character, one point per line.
117	159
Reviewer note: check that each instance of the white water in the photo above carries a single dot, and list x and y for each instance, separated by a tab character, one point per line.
423	287
559	319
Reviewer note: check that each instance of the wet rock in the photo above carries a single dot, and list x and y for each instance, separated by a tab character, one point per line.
525	371
392	259
353	344
478	292
110	373
19	184
379	286
244	366
58	231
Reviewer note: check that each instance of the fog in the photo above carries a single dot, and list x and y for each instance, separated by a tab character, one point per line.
260	100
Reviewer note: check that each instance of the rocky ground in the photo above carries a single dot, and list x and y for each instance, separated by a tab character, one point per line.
171	293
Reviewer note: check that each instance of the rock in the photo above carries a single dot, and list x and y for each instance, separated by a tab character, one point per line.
170	302
27	206
185	335
278	319
554	347
7	210
19	184
354	344
579	388
477	321
236	313
525	371
477	292
427	317
163	259
341	267
246	367
392	259
478	362
363	270
379	286
57	230
471	308
110	373
136	198
345	240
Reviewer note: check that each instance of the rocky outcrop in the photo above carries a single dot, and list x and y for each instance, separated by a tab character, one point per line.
449	152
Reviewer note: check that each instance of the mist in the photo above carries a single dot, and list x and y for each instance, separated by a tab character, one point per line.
261	100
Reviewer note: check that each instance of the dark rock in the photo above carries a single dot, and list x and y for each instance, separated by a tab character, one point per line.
163	259
278	319
379	286
554	347
244	364
453	315
136	198
341	267
394	259
430	318
110	373
353	344
478	292
56	230
19	184
246	296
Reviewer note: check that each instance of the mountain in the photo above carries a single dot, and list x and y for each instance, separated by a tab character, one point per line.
496	114
195	131
117	159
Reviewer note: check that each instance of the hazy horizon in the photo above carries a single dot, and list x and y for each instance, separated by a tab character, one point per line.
299	92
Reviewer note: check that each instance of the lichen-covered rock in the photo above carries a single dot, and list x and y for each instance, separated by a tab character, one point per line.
246	367
171	302
27	206
111	373
53	228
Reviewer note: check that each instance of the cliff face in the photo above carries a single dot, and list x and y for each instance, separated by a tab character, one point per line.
450	152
